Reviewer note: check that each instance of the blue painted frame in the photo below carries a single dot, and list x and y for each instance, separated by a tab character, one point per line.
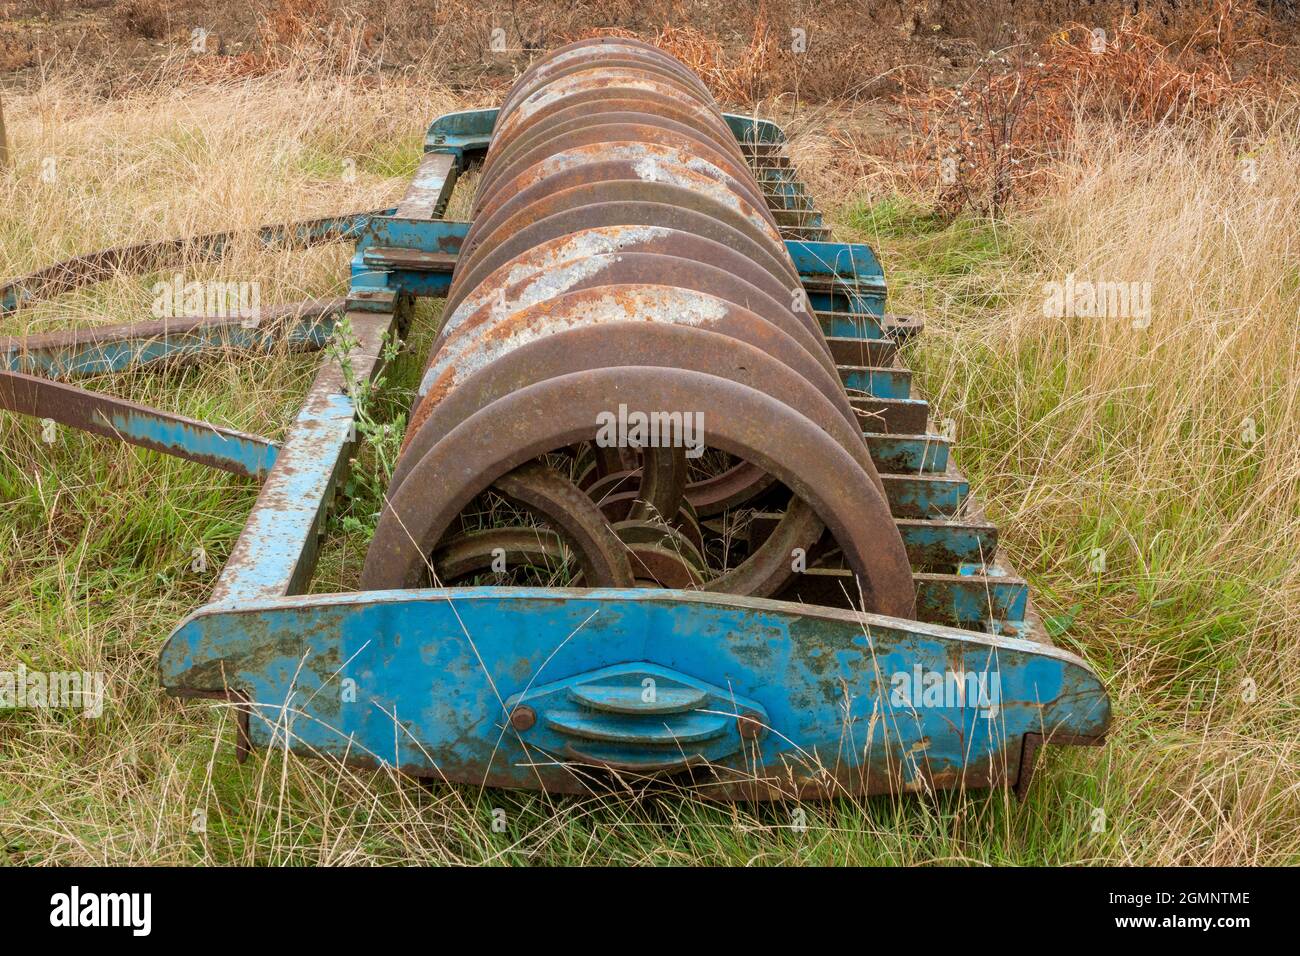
479	685
429	681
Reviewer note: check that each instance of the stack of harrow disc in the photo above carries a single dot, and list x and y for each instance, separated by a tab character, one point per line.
626	370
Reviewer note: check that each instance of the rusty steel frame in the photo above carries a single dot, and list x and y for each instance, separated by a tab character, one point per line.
222	650
213	445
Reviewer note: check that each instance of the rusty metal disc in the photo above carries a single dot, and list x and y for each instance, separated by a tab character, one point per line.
622	256
519	121
560	411
664	567
602	298
618	73
601	487
729	489
644	344
675	539
658	204
614	180
696	265
642	158
639	110
644	103
476	552
735	347
622	128
550	496
587	53
675	347
611	227
547	99
628	65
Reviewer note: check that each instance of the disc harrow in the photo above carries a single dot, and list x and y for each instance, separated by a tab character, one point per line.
548	329
784	588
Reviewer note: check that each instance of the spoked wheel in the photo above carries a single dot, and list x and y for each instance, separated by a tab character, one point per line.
550	536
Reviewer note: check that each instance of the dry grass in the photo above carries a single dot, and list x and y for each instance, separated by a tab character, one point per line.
1081	434
1172	448
997	133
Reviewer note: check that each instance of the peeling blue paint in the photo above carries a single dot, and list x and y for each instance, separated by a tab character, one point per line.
432	671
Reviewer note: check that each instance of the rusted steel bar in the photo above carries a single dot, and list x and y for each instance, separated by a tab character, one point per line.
430	187
302	326
177	435
146	256
276	551
622	255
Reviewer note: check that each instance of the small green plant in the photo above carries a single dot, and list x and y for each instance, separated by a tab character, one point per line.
380	441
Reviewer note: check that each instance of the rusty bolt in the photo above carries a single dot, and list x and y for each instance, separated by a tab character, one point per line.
523	717
750	725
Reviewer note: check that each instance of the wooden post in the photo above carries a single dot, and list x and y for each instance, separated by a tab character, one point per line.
4	140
